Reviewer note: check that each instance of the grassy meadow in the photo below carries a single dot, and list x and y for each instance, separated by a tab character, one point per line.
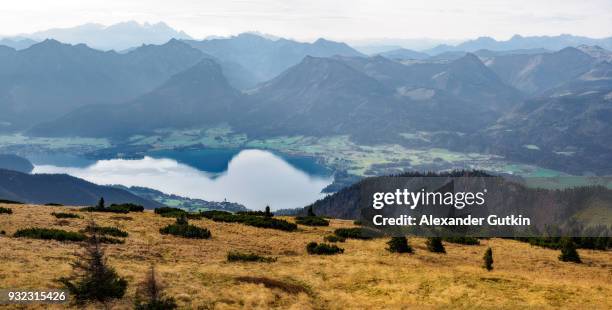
366	276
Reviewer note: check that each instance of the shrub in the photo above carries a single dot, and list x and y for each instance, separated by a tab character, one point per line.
93	279
121	218
53	204
6	210
311	221
110	240
251	220
399	245
63	215
568	251
334	238
50	234
234	256
463	240
434	244
128	206
314	248
357	222
150	294
111	210
488	259
176	213
166	210
182	229
357	233
2	232
102	230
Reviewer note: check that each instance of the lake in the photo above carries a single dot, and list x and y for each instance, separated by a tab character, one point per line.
255	178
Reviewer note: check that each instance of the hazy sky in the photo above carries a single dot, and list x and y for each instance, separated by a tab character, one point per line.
310	19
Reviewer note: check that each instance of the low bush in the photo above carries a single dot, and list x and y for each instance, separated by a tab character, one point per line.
121	218
111	210
251	220
256	213
463	240
182	229
106	230
127	206
110	240
176	213
358	233
334	238
399	245
234	256
63	215
314	248
357	222
311	221
53	204
50	234
6	210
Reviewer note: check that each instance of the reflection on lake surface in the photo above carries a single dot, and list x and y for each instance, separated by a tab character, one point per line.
254	178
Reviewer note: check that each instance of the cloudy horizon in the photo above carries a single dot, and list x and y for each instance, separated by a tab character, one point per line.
344	20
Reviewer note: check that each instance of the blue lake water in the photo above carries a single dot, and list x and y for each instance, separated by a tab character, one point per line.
254	178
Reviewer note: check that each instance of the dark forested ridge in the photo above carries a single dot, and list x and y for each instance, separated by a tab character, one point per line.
62	189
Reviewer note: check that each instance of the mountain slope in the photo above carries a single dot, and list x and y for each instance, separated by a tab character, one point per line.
50	79
266	58
568	128
196	96
534	74
62	188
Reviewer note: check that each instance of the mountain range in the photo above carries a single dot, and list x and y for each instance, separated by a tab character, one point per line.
522	42
118	37
504	102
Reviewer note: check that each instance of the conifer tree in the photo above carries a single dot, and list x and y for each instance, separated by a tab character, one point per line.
311	211
150	294
568	251
434	244
100	205
93	279
488	259
268	213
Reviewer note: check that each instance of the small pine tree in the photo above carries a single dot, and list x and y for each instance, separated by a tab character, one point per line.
399	245
434	244
568	251
488	259
268	213
311	211
150	295
100	205
93	279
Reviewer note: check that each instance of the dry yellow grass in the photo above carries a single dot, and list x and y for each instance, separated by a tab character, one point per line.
364	277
